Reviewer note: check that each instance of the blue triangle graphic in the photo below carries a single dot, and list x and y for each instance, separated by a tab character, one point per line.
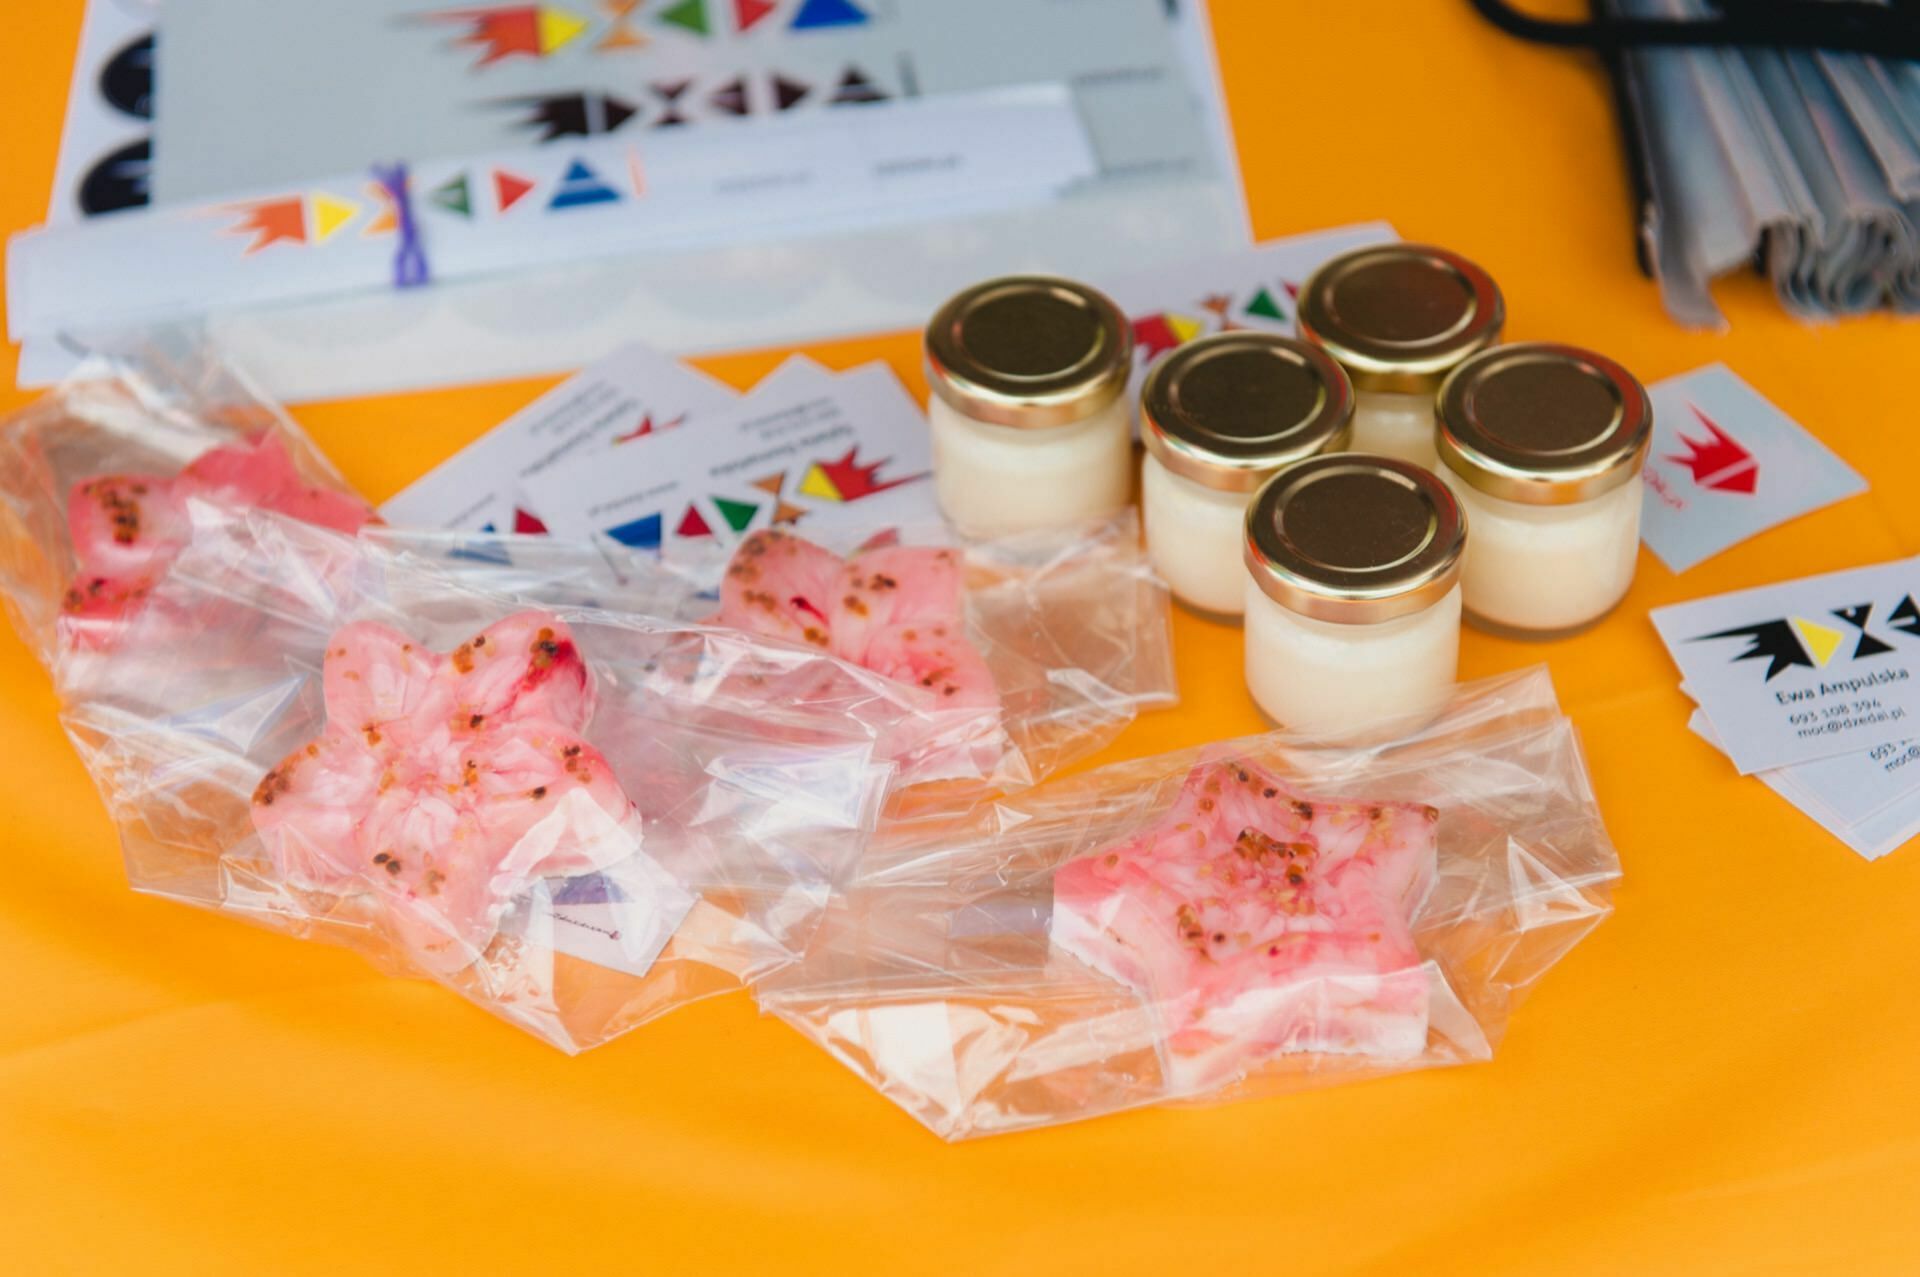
582	186
829	13
641	534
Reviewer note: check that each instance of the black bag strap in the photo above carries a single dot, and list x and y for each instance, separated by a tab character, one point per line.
1889	30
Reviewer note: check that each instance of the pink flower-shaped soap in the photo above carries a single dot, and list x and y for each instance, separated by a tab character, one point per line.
896	610
1255	922
127	529
446	784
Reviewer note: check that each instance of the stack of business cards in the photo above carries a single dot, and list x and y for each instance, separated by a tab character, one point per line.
1814	686
644	451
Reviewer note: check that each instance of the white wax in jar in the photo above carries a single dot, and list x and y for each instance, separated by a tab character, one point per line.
1196	538
1395	425
992	479
1337	681
1547	568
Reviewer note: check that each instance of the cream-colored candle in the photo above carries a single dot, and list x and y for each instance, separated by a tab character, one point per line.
1399	318
1352	594
1028	411
1219	416
1544	445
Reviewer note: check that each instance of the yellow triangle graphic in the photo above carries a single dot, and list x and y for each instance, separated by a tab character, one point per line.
1820	640
816	484
559	27
1184	328
329	215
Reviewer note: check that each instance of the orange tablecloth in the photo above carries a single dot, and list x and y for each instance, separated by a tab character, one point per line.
1720	1080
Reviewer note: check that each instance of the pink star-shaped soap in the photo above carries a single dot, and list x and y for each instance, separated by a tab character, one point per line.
446	784
1256	922
127	529
895	610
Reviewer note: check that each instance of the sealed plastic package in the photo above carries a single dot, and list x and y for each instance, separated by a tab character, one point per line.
1022	652
95	478
565	814
1216	924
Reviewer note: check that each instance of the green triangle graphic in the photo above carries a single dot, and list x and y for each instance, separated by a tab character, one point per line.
1264	306
738	514
690	14
453	196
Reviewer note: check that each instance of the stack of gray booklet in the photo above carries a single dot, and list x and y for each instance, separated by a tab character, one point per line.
1806	162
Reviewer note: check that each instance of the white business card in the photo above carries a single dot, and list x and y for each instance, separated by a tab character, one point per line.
631	394
805	448
1804	669
1726	465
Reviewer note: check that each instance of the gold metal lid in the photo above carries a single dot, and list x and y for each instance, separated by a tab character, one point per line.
1355	538
1400	316
1544	424
1228	410
1029	350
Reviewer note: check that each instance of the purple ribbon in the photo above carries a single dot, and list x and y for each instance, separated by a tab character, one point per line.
410	259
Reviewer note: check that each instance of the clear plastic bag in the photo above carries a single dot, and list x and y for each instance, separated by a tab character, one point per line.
564	814
94	478
1222	923
1024	652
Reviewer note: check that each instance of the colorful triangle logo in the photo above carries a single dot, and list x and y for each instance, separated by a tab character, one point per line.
1265	307
816	484
581	186
1821	641
559	28
747	13
621	34
453	196
509	188
689	15
815	14
785	513
692	524
738	514
328	214
526	523
385	221
771	483
641	534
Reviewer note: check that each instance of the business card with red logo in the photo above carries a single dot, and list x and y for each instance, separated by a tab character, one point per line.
1726	465
1805	669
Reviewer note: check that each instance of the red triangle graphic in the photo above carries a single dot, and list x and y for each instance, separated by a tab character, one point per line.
528	524
1741	480
748	12
509	188
692	525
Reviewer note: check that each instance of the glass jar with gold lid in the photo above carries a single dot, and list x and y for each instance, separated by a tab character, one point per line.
1352	594
1544	445
1219	416
1399	318
1028	410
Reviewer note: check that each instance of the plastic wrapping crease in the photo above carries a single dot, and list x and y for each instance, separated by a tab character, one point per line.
1071	623
151	413
745	772
1006	968
712	837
